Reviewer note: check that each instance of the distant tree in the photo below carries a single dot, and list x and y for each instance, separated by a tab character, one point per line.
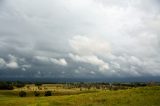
38	84
22	93
48	93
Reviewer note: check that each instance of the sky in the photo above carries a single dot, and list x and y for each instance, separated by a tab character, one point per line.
79	38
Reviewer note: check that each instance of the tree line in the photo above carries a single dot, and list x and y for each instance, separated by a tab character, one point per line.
7	85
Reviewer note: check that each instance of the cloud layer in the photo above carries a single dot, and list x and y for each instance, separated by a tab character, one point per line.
80	39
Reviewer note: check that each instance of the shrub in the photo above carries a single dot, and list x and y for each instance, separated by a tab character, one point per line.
48	93
22	94
36	93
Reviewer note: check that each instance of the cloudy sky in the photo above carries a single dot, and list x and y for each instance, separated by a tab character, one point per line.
80	38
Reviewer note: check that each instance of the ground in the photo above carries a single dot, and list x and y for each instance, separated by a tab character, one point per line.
142	96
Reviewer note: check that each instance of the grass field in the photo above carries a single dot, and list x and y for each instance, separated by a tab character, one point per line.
144	96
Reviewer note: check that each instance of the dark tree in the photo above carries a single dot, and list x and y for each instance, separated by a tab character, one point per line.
36	93
48	93
22	94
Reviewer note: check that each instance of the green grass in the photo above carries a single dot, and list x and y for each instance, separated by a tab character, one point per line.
146	96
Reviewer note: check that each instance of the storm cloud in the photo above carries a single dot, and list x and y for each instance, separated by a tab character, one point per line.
80	39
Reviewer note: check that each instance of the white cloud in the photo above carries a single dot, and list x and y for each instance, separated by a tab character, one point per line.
84	45
115	65
12	65
26	66
86	49
135	61
76	71
23	69
44	59
12	57
91	59
60	61
92	72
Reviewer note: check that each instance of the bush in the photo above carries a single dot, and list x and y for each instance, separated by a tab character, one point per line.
48	93
36	93
22	94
